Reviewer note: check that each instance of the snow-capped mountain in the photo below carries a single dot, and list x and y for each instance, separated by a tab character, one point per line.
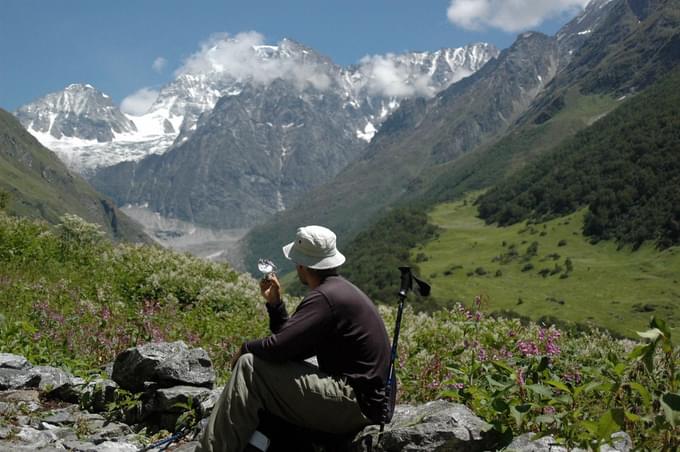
87	131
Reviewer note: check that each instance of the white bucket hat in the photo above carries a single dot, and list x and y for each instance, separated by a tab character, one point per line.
314	247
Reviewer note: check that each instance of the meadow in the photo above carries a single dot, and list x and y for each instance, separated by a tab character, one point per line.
549	270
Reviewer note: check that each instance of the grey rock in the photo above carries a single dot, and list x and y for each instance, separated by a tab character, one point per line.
79	446
64	416
18	379
52	378
11	361
113	446
97	394
19	395
208	404
434	426
166	399
186	447
621	442
105	431
35	438
168	364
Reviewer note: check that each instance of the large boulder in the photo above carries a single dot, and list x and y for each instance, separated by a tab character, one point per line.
165	363
434	426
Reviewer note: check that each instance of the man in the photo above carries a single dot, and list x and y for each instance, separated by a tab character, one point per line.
337	323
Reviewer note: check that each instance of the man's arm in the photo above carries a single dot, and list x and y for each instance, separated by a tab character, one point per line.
299	336
271	291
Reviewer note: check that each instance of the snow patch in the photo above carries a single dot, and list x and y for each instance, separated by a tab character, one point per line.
368	133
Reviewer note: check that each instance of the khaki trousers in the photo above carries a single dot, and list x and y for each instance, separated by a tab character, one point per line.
295	391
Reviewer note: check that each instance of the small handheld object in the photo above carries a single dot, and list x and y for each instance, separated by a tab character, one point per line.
267	267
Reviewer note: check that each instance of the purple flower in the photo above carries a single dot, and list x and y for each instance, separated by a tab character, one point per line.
527	348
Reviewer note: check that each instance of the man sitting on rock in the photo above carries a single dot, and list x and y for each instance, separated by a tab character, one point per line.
337	323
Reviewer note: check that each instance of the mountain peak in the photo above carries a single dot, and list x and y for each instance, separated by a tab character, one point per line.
79	111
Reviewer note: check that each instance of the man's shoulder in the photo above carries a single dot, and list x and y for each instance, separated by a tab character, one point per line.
339	288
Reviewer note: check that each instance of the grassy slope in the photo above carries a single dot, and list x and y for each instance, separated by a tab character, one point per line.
488	164
40	186
603	287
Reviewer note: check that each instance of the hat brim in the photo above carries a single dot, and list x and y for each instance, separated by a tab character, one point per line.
317	263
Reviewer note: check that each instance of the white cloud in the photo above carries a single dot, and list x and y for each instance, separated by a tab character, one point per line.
159	64
245	57
139	102
508	15
385	77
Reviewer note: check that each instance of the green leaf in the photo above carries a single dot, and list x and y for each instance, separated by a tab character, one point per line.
652	334
671	406
545	361
499	405
541	390
646	397
633	417
587	387
457	351
519	412
619	369
590	426
661	325
494	383
638	351
502	367
611	422
545	419
559	385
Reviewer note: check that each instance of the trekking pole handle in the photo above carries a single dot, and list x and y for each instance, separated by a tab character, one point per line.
406	281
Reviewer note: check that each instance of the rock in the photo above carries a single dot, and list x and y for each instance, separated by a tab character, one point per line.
168	364
166	399
63	416
104	431
52	378
186	447
16	362
79	446
434	426
208	404
18	379
20	395
35	438
111	446
97	394
621	442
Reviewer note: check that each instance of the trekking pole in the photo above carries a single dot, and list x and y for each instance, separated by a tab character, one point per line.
407	279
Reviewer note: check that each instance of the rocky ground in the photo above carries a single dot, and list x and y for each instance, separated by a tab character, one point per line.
151	390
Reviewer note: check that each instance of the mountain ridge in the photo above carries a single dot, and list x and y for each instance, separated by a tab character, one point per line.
40	186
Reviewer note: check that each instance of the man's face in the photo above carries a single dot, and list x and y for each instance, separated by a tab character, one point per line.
302	275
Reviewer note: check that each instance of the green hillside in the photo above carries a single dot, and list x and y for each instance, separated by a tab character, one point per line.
549	269
39	185
625	168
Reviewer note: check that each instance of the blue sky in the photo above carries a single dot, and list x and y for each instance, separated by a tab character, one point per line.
46	45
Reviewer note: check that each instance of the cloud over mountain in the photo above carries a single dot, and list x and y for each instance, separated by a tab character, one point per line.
138	102
385	77
508	15
246	57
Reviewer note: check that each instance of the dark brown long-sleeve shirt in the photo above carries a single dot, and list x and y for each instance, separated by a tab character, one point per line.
340	325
